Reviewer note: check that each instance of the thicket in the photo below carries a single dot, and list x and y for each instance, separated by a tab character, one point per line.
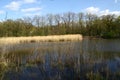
106	26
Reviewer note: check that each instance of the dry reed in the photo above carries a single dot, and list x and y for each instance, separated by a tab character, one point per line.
52	38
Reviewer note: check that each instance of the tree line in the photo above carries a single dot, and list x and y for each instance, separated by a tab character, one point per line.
105	26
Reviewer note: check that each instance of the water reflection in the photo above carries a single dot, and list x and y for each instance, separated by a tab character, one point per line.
91	59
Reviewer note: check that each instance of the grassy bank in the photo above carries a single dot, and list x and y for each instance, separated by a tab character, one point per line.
31	39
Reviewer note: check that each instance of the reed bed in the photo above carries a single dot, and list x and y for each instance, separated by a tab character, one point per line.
30	39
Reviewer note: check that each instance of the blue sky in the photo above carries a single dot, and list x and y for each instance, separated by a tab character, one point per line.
20	8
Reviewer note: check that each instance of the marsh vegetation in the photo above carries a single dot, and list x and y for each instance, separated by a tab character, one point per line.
90	59
33	39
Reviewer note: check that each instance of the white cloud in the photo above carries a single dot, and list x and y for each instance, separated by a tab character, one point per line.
32	14
29	1
2	12
116	12
97	11
116	1
1	20
31	9
15	5
92	10
104	12
108	12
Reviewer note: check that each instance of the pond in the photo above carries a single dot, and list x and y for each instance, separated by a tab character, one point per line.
90	59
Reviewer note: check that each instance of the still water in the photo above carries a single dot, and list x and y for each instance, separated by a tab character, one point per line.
90	59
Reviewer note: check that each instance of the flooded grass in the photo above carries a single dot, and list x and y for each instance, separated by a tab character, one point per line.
59	61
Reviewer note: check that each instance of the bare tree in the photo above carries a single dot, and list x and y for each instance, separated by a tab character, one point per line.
39	21
57	18
80	19
50	19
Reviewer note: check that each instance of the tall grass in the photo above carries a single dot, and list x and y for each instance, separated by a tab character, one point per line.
52	38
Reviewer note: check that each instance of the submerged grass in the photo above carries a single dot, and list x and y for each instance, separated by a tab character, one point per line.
61	61
32	39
